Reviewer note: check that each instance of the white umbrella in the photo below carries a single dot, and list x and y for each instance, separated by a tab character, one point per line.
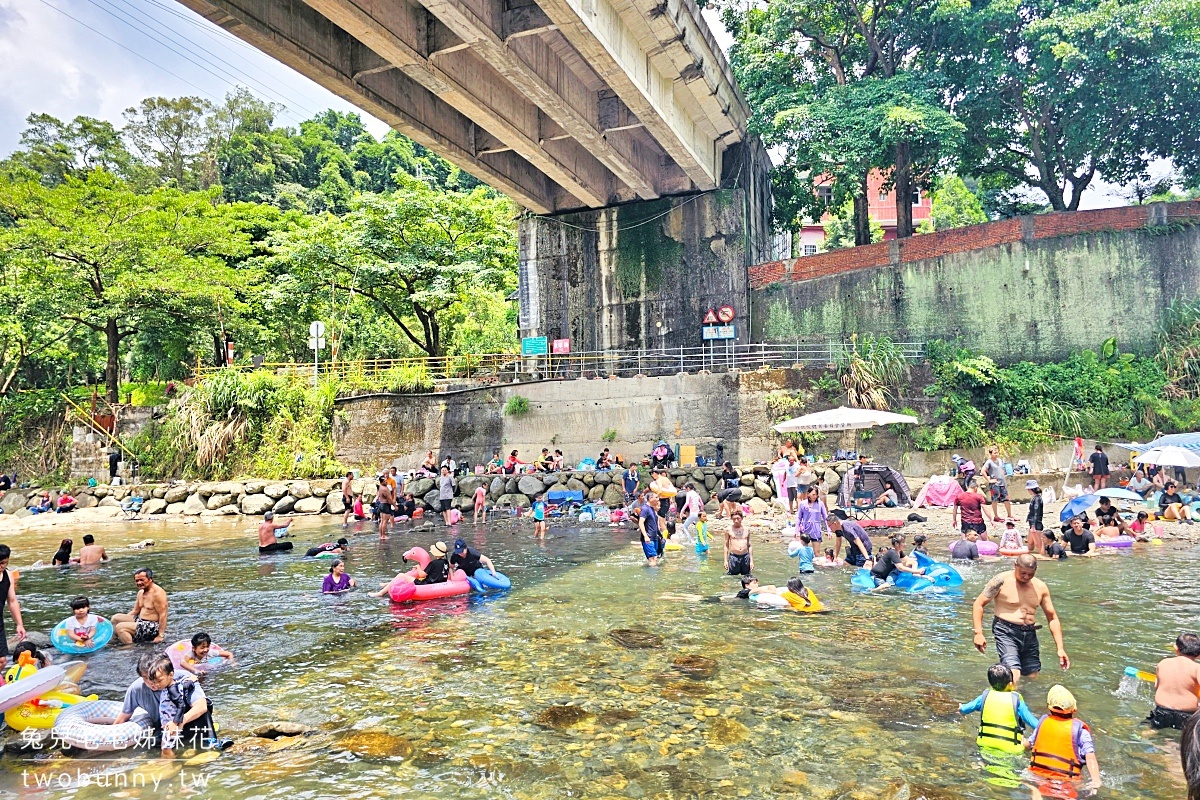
844	419
1169	456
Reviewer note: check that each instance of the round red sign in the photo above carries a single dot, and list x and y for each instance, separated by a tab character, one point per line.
725	314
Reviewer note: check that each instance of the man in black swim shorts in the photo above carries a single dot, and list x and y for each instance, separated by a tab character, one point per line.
267	543
1018	595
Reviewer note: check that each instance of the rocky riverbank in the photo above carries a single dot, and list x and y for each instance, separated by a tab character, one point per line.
255	497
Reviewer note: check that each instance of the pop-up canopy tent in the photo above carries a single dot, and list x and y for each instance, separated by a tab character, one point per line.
876	479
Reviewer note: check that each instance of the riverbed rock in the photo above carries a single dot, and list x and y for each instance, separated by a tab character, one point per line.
279	728
224	511
309	505
596	493
514	500
710	482
108	502
465	504
604	478
562	718
833	481
256	504
284	505
219	500
320	489
575	485
377	744
551	479
176	494
614	496
334	503
530	485
300	490
34	741
512	486
86	501
694	666
275	491
36	637
636	638
175	508
758	505
468	485
496	488
154	505
724	730
253	487
432	499
589	479
194	505
420	487
763	490
747	479
230	487
159	492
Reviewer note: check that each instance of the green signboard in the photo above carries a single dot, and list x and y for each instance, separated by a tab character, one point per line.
535	346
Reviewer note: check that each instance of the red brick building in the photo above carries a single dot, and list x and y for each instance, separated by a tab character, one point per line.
882	207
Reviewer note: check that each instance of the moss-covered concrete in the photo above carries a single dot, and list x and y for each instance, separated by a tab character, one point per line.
1019	300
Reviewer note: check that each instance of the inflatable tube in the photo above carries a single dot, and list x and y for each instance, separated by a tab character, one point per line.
868	524
985	548
31	685
42	712
65	644
328	554
418	512
814	606
910	582
862	579
1010	551
489	582
403	591
74	670
672	546
88	726
769	599
941	574
1120	541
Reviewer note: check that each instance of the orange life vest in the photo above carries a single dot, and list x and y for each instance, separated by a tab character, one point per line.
1055	747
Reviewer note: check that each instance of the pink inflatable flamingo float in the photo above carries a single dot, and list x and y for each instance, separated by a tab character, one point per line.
403	589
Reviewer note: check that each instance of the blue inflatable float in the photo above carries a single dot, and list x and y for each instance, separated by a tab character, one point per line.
484	581
942	574
862	580
65	644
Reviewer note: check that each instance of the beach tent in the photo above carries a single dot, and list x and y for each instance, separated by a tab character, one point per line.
876	479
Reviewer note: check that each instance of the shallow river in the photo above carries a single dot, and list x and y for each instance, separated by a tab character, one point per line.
458	698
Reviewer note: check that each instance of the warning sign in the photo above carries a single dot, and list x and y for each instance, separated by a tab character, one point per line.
725	314
710	318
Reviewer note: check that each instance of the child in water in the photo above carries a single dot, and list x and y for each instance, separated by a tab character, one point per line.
82	627
828	560
1062	745
1011	540
1003	714
801	548
702	534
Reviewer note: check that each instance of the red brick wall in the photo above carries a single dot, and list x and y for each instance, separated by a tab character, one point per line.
972	237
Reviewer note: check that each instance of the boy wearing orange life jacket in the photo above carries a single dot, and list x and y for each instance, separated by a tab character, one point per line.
1062	745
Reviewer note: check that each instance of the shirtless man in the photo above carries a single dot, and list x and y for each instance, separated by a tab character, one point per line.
267	543
148	620
91	553
386	498
1018	595
739	558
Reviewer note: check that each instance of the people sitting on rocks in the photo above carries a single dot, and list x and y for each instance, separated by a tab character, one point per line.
1140	484
543	463
496	465
66	503
428	467
43	505
605	460
1172	506
557	461
512	463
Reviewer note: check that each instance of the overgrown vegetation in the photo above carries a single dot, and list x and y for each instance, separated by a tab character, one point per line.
517	406
871	370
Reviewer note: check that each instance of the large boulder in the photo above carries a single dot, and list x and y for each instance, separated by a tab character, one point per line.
614	497
207	488
530	485
176	494
763	490
159	492
514	500
758	505
431	498
284	505
275	491
747	479
468	485
465	504
551	479
224	511
86	501
604	478
155	505
360	485
13	501
496	488
589	479
175	508
575	485
254	487
334	503
300	490
216	501
511	486
118	492
109	502
194	505
101	490
230	487
420	487
595	493
833	481
309	505
703	492
256	504
321	490
710	482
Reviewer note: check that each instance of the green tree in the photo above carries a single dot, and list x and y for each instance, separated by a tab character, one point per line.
54	149
954	205
839	230
414	254
117	260
1053	92
170	134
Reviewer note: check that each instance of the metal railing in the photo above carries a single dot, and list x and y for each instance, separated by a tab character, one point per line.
394	374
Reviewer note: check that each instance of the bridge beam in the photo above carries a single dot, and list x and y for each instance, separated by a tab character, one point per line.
399	31
539	73
297	36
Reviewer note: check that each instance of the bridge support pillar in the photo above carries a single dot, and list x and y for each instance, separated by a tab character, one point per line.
643	274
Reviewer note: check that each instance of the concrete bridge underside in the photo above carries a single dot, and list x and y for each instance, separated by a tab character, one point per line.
564	105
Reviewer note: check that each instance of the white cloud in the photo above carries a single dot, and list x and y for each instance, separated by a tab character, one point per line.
57	65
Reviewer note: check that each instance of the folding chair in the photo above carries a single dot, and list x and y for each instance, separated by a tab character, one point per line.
862	505
132	506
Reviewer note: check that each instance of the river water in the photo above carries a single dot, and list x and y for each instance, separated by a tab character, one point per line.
463	697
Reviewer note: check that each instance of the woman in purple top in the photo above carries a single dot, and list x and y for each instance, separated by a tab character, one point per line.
812	516
337	581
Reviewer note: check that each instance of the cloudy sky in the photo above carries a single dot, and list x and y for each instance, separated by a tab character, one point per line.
99	57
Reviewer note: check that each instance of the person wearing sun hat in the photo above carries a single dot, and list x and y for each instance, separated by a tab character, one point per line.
1034	541
1062	744
438	568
